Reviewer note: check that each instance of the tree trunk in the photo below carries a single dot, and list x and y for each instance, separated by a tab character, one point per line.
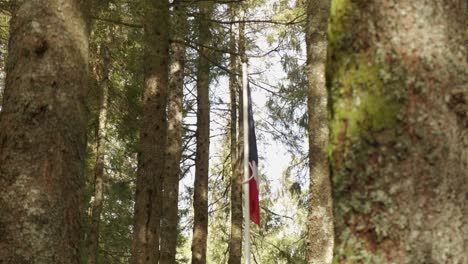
148	201
169	219
4	29
43	133
398	82
200	196
93	246
235	242
320	222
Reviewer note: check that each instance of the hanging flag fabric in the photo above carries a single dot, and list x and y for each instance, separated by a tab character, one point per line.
253	166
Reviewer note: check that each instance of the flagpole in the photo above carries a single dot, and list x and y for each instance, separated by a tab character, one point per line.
245	185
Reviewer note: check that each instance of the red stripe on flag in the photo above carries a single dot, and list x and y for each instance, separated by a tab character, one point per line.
254	200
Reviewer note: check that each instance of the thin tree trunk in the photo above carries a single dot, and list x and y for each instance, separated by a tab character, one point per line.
93	247
148	201
43	133
320	221
169	219
200	196
235	242
399	130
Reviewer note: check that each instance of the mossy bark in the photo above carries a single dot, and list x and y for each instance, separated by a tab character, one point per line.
43	133
320	221
148	197
200	195
397	81
169	220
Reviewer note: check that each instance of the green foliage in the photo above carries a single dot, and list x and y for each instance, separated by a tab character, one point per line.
281	237
219	206
287	106
124	111
117	219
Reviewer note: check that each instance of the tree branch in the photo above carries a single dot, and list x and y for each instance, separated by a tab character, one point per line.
294	21
117	22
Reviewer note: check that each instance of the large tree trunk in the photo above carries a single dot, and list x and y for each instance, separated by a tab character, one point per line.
103	75
320	222
169	219
235	242
43	133
200	196
153	133
398	81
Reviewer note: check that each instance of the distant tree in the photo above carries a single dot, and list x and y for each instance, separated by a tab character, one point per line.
122	44
148	198
43	133
103	70
4	29
397	79
200	196
174	146
320	222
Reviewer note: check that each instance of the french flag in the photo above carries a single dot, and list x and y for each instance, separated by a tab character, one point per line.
253	166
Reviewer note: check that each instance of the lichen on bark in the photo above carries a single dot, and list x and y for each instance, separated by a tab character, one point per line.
43	133
320	240
398	174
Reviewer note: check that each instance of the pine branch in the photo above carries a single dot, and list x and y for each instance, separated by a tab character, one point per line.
297	20
254	83
258	21
197	45
117	22
273	213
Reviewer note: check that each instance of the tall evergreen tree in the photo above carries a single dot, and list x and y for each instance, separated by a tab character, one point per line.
43	133
169	219
320	222
200	196
103	78
397	75
148	201
235	242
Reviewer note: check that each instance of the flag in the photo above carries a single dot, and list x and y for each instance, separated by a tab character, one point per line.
253	166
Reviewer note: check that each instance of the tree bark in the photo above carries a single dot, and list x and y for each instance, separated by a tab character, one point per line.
169	219
104	65
398	82
200	196
320	221
148	201
43	133
235	242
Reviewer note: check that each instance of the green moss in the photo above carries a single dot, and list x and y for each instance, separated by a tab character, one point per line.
356	89
336	26
361	105
336	33
366	99
361	99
